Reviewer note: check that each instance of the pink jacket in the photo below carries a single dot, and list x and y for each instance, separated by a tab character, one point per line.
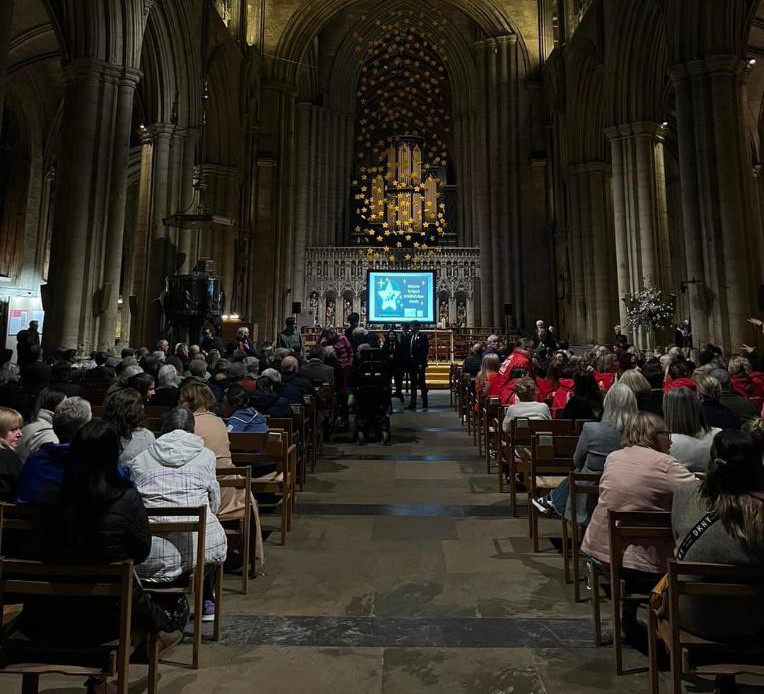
635	479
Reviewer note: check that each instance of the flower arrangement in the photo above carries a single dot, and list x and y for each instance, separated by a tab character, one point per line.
648	308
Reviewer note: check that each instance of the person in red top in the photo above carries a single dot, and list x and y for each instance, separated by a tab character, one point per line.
519	359
746	381
489	371
678	376
607	367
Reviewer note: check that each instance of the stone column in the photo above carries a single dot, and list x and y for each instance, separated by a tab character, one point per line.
115	229
722	244
88	220
152	236
641	225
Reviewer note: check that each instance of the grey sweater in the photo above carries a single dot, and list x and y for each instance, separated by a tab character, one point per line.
597	441
725	619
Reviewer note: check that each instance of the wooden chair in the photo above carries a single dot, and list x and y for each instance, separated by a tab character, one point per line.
31	659
271	447
521	433
240	478
626	528
551	460
94	390
15	518
295	443
189	520
724	662
491	424
581	483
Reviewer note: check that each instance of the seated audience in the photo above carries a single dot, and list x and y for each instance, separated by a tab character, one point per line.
489	370
527	406
144	384
197	371
46	467
648	400
597	441
606	371
267	399
252	365
198	398
473	363
125	371
291	392
178	470
126	413
19	395
742	407
678	374
10	463
585	401
746	382
733	493
166	394
102	370
40	427
61	379
315	370
691	437
211	342
716	414
94	516
641	476
242	417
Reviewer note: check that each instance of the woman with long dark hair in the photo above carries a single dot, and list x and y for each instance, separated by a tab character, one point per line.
731	497
126	412
586	400
95	517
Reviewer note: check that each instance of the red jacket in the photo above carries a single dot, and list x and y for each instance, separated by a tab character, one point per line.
605	380
561	396
750	386
671	383
544	389
516	360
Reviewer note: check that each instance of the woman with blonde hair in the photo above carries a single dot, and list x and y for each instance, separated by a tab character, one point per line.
10	463
640	476
597	441
489	369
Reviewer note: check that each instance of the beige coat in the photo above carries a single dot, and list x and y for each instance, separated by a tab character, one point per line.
635	479
213	430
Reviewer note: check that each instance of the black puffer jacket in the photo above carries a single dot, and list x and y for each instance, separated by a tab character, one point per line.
10	470
122	532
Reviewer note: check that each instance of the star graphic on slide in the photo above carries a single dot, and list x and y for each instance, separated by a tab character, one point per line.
389	297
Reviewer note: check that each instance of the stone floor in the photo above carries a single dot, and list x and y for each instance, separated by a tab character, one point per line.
404	573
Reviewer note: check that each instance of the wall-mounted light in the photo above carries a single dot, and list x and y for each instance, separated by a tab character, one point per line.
752	62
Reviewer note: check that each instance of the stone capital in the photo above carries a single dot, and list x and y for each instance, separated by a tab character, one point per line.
625	131
707	67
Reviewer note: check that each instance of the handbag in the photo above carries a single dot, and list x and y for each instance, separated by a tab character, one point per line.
695	533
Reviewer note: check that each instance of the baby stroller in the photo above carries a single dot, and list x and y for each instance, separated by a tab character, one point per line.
372	392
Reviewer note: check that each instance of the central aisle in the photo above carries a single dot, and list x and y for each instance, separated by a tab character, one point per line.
404	573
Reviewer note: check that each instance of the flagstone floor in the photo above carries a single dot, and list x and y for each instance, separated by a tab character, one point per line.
404	573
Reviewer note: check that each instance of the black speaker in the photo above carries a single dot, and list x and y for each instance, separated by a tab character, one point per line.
761	297
507	309
296	307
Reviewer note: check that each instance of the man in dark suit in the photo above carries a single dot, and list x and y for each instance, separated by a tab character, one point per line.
419	350
401	360
316	369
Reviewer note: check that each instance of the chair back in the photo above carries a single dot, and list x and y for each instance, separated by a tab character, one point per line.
33	578
553	448
582	483
523	429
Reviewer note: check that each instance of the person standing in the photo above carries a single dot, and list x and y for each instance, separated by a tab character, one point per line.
419	349
402	360
26	340
290	338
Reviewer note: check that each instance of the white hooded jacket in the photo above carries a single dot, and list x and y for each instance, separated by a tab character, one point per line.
177	470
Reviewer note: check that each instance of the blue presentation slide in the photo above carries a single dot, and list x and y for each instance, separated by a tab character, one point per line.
401	297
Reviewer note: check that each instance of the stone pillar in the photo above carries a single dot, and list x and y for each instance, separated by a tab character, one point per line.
722	244
153	262
88	220
6	27
115	230
641	225
591	234
546	31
